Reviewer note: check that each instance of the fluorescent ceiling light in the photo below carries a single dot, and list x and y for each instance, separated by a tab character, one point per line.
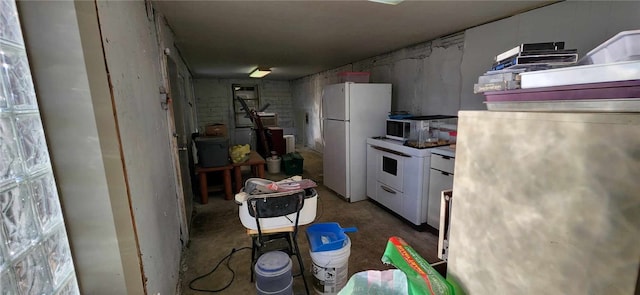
260	72
392	2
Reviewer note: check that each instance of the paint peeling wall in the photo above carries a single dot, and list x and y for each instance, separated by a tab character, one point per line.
307	94
65	53
425	80
117	201
166	43
437	76
132	56
582	25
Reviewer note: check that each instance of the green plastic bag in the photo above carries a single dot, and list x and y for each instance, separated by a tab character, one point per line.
421	277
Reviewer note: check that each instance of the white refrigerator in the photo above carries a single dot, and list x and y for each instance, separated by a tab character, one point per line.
351	113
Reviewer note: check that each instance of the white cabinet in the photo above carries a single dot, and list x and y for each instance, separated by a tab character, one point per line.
442	160
372	166
546	203
440	178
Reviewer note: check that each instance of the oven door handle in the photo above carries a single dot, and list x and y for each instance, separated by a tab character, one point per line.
388	189
390	151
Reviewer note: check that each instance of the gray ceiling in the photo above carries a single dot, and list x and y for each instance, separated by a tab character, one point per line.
228	39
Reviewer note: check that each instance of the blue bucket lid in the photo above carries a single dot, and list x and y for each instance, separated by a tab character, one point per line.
327	236
273	263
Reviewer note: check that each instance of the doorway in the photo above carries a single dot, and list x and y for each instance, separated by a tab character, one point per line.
243	125
181	111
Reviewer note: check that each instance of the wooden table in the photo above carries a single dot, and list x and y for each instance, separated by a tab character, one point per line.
257	168
204	188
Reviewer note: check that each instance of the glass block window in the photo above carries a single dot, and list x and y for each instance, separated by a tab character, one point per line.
35	257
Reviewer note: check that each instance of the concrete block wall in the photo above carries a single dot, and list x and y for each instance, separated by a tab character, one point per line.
214	101
437	76
278	95
583	25
307	96
424	78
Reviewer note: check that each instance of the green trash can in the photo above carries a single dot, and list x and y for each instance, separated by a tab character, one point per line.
292	163
212	151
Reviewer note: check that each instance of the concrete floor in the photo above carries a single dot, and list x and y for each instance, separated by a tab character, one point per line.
216	230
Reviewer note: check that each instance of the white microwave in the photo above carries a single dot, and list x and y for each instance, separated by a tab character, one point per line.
398	129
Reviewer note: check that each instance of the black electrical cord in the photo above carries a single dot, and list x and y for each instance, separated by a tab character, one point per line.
228	259
319	208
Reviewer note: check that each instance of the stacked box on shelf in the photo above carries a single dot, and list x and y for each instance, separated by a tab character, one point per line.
615	96
607	79
536	54
217	129
508	79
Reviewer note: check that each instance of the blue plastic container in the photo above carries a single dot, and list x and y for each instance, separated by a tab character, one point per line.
273	273
327	236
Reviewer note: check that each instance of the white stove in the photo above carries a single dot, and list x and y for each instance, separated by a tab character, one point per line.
398	177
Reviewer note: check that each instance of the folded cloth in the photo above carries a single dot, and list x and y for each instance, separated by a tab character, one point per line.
258	186
268	188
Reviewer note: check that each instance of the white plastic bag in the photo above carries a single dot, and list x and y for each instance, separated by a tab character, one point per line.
373	282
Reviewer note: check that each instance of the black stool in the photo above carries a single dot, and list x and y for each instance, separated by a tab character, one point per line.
284	239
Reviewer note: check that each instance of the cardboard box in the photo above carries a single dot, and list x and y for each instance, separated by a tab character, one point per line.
219	130
268	119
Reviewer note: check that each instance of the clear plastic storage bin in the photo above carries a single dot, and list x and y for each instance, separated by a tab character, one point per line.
624	46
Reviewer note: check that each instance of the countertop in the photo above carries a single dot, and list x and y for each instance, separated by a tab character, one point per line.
445	151
399	146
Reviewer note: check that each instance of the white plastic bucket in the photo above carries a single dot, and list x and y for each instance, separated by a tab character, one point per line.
273	165
331	269
290	143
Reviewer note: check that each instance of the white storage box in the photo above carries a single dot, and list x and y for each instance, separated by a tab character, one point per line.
307	215
290	143
596	73
624	46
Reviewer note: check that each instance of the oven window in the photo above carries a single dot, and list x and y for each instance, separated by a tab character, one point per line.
390	165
